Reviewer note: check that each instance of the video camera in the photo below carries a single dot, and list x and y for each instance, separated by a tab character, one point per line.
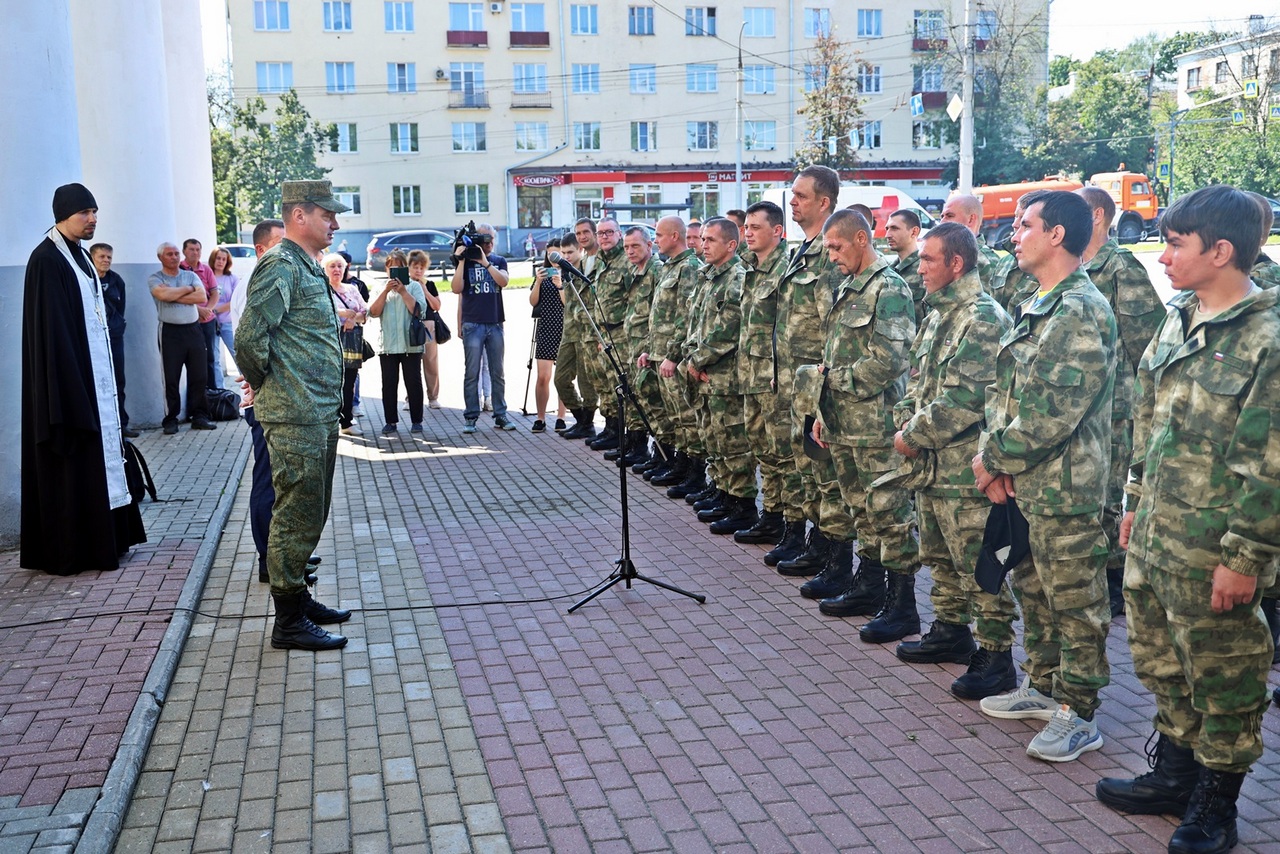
472	239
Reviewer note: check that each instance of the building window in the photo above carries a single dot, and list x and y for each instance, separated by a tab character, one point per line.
586	78
586	136
644	79
271	14
758	80
349	196
760	136
584	19
868	135
1193	78
817	22
640	20
1221	72
337	16
529	77
468	136
701	78
927	78
399	15
647	194
929	25
470	198
703	136
870	23
699	20
759	21
406	199
815	77
531	136
869	81
402	77
1248	66
468	78
528	17
339	77
926	134
404	137
985	27
644	136
462	16
705	199
343	140
533	207
274	77
755	190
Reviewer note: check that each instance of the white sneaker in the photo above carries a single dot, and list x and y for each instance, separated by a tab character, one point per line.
486	405
435	404
1023	702
353	430
1065	738
357	411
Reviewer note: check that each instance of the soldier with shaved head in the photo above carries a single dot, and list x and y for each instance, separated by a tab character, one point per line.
966	209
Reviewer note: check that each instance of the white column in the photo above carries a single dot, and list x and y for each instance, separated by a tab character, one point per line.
189	122
39	151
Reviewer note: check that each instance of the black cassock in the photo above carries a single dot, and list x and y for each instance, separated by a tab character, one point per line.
68	525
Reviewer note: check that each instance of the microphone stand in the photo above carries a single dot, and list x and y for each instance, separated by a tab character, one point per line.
625	573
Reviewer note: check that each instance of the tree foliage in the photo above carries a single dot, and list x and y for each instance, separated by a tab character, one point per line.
831	108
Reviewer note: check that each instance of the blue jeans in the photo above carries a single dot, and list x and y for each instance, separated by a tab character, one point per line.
483	338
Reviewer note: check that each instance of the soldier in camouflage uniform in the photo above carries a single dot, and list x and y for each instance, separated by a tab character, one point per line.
1205	533
290	356
1048	440
1265	272
1011	285
569	361
610	285
902	233
644	268
713	363
767	415
939	422
865	359
967	210
1123	280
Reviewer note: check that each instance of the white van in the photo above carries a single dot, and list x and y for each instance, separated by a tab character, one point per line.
882	201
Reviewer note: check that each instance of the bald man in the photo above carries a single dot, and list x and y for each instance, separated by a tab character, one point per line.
967	210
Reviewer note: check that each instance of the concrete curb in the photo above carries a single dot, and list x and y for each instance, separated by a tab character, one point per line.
107	816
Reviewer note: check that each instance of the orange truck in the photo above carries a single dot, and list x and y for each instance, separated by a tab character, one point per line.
1137	211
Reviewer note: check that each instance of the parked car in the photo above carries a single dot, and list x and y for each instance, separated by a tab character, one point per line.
243	259
1275	214
437	245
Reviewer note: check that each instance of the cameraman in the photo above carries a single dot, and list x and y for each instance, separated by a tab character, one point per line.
479	277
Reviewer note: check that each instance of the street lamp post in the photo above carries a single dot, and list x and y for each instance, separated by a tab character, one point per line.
737	119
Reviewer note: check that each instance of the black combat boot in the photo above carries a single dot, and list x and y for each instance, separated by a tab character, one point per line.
836	575
293	630
625	446
767	530
606	440
322	615
899	617
708	490
740	515
662	456
713	512
790	546
671	473
583	425
1164	790
811	560
1269	610
945	642
865	596
711	496
695	476
990	673
637	449
1115	590
1209	827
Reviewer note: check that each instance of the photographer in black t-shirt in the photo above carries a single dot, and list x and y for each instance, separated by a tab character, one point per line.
479	278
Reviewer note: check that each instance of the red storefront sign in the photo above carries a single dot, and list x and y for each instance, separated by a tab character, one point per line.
538	180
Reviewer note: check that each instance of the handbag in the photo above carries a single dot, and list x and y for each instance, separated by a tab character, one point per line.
442	330
417	330
367	351
137	475
353	346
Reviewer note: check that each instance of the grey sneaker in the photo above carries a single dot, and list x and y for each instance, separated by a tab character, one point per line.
1021	703
470	426
1065	738
503	424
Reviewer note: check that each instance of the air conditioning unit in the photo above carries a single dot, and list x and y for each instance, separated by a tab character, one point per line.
440	74
496	7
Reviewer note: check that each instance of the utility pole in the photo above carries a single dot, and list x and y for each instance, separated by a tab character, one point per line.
966	117
737	118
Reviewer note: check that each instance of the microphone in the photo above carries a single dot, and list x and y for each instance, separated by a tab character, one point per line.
567	268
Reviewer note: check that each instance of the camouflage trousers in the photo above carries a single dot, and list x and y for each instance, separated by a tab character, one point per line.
726	438
679	422
1118	476
768	430
601	377
807	499
1062	591
302	462
951	530
882	517
1208	671
568	369
644	384
701	426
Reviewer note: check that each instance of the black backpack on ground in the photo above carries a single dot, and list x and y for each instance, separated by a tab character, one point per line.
224	404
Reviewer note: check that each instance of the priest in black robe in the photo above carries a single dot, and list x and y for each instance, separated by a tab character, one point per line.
77	514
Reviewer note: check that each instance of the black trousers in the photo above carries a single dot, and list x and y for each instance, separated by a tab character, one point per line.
117	363
182	346
349	374
210	332
393	364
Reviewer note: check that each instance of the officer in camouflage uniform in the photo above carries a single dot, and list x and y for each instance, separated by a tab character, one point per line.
1011	285
967	210
288	352
939	422
707	496
1123	280
1206	531
713	364
767	415
668	321
866	357
902	233
644	270
570	360
610	284
1048	441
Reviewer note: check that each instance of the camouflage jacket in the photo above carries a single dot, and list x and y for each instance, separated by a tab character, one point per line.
636	327
759	320
291	355
988	259
611	281
669	314
1049	412
575	329
805	290
1123	280
1011	285
866	352
1265	272
909	269
956	356
1207	426
716	327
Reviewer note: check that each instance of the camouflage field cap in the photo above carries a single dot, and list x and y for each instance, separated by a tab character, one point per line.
317	192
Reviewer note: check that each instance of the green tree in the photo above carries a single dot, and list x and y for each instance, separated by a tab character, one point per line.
831	108
269	153
1060	68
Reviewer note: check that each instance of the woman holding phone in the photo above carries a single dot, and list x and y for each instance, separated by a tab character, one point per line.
399	299
548	308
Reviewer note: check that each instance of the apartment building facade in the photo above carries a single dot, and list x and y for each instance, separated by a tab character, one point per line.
1251	60
529	115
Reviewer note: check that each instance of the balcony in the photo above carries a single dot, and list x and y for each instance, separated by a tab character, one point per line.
469	99
530	100
467	38
922	42
933	100
530	39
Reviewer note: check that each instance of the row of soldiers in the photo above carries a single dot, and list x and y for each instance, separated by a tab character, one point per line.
880	395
